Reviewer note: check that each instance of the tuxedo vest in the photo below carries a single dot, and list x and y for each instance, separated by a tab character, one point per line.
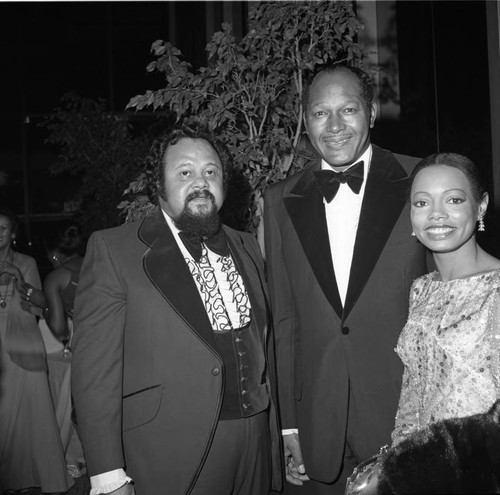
245	388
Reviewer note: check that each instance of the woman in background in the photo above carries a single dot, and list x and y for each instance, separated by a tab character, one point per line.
450	346
64	250
31	454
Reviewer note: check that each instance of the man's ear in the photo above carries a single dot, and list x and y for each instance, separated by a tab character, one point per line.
373	115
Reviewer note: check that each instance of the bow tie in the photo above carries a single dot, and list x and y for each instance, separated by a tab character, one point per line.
216	243
328	181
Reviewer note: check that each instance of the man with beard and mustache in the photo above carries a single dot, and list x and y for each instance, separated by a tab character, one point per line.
171	377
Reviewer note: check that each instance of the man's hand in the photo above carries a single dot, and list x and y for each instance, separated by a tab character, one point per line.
294	465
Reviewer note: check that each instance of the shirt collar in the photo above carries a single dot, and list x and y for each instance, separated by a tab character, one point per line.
175	232
170	222
366	157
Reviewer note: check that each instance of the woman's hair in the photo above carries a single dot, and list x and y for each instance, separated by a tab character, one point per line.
7	213
66	238
460	162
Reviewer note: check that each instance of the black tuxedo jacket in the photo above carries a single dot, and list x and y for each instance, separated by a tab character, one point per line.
147	380
334	361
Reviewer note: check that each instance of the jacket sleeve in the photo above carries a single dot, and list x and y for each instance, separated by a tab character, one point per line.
282	311
97	366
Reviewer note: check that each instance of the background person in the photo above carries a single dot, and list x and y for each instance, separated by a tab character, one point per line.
31	454
64	248
170	375
340	264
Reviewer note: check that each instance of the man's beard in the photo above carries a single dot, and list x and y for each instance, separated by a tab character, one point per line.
200	224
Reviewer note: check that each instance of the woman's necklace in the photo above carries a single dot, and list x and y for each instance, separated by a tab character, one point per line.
3	297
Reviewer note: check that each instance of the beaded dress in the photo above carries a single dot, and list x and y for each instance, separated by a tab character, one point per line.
450	348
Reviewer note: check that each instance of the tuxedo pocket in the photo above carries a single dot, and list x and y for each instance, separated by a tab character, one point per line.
141	407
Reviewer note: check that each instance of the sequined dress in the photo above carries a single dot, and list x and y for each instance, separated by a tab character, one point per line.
450	348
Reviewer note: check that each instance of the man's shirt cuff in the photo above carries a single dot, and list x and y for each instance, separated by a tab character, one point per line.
289	431
108	481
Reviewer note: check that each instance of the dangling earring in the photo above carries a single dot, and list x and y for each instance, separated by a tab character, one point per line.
413	233
480	227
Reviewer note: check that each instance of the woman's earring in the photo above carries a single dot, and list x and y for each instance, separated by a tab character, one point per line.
413	233
480	227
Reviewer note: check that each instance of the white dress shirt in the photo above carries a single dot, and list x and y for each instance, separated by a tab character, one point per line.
342	219
220	274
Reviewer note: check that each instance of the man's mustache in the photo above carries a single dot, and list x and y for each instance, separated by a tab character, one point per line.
200	194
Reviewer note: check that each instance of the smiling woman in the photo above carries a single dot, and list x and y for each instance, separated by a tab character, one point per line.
450	345
444	210
447	200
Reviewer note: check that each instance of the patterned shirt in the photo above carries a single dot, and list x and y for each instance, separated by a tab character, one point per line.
220	286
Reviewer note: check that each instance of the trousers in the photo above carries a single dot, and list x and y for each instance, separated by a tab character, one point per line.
239	460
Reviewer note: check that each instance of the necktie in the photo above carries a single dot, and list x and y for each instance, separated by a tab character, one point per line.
216	243
328	181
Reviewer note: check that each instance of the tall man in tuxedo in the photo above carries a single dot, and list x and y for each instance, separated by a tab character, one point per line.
341	260
171	379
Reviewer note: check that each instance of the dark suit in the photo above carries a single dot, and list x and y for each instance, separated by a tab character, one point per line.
335	362
143	341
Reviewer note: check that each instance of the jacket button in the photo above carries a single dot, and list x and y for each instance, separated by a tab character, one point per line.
345	330
215	371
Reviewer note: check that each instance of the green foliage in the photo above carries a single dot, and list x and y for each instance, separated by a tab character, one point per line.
250	93
97	147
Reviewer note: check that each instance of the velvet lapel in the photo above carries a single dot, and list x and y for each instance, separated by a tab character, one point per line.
167	270
248	269
307	212
384	199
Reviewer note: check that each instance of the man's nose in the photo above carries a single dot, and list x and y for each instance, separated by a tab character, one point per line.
200	182
335	123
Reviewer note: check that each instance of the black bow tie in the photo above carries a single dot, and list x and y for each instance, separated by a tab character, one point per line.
328	181
216	243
